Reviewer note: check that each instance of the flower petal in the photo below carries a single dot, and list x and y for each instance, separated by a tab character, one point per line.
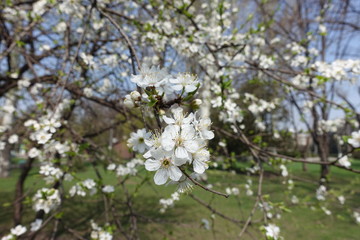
168	144
207	134
191	146
168	120
199	167
174	173
180	152
161	176
152	165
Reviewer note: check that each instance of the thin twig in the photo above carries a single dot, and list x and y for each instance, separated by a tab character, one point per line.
202	186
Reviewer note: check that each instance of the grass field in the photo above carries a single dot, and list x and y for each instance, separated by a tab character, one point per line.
185	218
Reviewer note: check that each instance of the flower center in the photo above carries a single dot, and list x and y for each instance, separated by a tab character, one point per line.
179	141
166	162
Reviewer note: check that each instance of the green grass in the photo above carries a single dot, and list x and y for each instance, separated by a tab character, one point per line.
184	219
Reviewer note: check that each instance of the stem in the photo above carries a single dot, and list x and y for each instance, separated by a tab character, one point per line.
202	186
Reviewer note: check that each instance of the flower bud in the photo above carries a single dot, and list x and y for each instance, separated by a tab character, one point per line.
135	95
197	102
128	102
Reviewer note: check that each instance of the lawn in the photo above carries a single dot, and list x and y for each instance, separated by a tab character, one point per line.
305	221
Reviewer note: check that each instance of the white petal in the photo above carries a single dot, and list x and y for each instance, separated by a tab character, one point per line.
180	161
157	153
191	146
171	131
177	87
188	119
147	154
152	165
188	132
199	167
161	176
180	152
174	173
190	88
168	144
207	134
168	120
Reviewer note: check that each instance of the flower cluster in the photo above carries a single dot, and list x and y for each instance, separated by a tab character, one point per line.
99	233
15	232
46	199
272	231
160	82
169	202
81	188
321	193
126	169
232	191
51	173
355	139
183	140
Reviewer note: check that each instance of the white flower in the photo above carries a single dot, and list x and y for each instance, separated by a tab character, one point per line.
23	83
108	189
183	142
326	211
284	171
42	137
165	165
88	92
89	183
99	233
357	217
13	139
61	27
294	199
272	231
203	126
137	140
232	191
77	190
179	118
206	224
51	125
128	102
8	237
322	29
341	199
33	152
185	81
111	167
321	193
200	159
36	225
149	77
344	161
355	139
18	230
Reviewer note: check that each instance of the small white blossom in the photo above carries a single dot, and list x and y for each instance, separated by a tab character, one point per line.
36	225
18	230
272	231
108	189
137	140
13	139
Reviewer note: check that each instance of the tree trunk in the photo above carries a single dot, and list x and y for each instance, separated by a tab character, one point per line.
19	192
324	155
